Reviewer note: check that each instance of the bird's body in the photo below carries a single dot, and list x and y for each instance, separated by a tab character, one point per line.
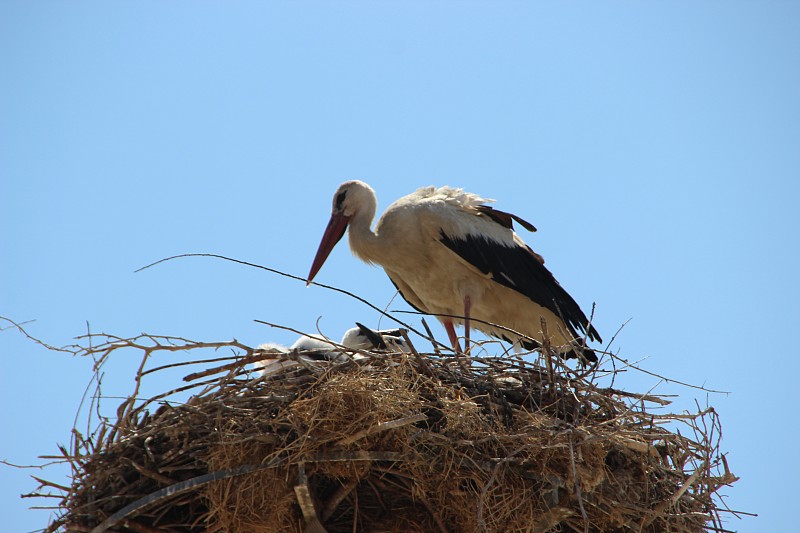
319	348
452	256
358	338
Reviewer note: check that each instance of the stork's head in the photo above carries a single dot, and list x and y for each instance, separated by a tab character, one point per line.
352	199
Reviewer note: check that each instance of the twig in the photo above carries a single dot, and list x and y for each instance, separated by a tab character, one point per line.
430	335
32	338
426	369
578	486
306	503
298	278
173	490
669	380
482	499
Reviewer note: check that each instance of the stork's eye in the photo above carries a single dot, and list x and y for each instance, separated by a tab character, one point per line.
339	200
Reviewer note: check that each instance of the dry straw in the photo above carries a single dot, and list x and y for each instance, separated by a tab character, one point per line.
391	442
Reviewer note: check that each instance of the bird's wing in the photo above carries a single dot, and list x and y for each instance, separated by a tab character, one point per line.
406	292
513	264
503	218
373	337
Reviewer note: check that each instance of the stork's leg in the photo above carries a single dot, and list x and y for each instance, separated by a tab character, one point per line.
451	332
467	305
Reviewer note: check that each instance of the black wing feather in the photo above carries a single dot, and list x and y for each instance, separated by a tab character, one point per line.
504	218
373	337
517	268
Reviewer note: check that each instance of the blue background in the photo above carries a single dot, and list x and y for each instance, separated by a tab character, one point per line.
655	145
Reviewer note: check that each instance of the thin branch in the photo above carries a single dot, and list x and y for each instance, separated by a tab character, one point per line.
22	330
297	278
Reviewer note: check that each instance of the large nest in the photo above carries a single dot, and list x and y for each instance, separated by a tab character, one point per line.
393	442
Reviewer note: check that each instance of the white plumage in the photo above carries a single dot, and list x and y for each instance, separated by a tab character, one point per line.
451	255
317	347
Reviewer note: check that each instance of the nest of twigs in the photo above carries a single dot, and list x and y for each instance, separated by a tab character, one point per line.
395	442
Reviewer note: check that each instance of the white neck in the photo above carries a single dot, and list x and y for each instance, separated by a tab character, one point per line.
364	243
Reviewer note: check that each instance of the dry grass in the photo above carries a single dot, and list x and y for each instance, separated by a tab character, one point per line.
394	442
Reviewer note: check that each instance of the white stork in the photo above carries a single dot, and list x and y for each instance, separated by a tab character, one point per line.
358	338
319	348
452	256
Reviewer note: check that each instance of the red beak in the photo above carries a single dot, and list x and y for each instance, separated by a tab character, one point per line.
333	234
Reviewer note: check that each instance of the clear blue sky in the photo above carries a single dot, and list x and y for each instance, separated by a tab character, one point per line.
656	146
